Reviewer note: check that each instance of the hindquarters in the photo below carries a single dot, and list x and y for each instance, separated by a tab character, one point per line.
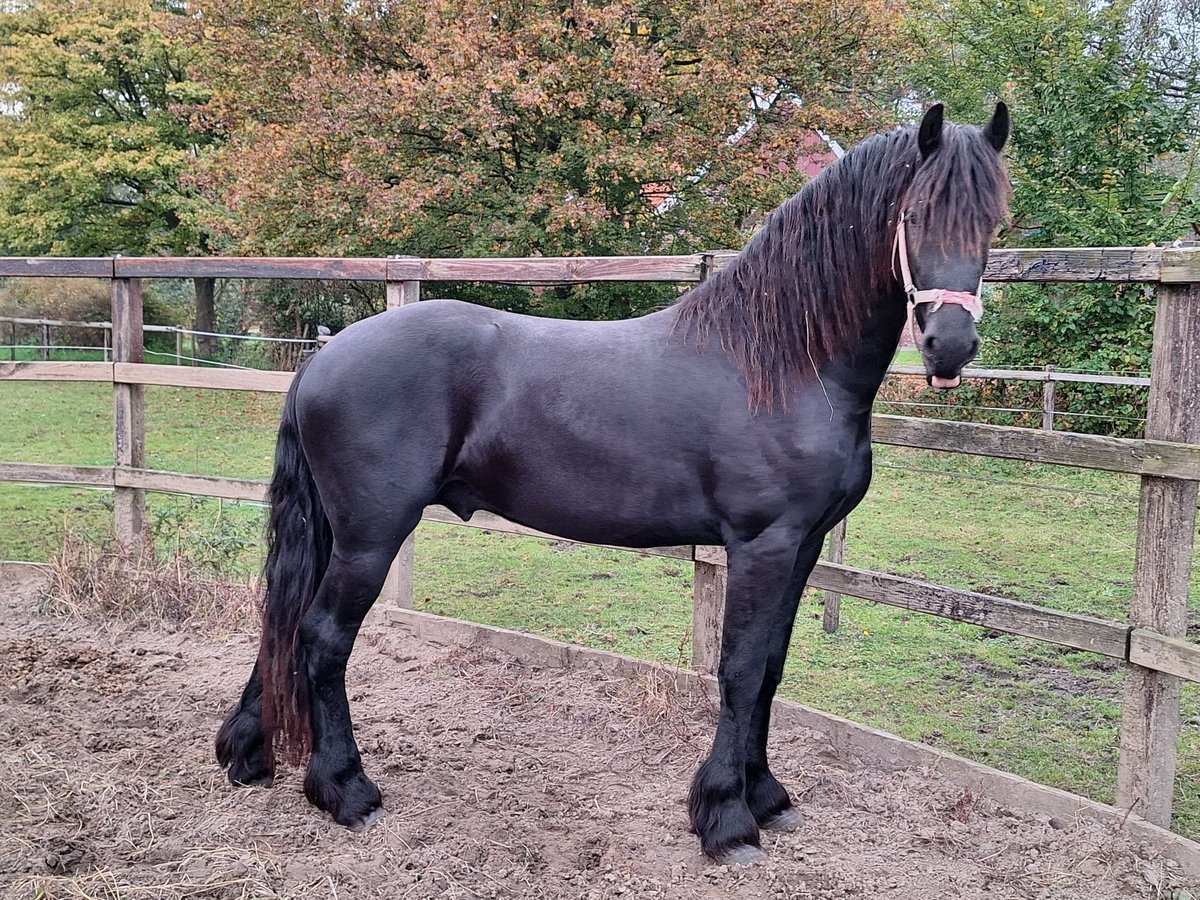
356	460
384	409
354	469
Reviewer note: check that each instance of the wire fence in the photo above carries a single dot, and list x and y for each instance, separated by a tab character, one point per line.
34	340
1126	497
1048	397
1071	414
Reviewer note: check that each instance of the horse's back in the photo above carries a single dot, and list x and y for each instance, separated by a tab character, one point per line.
467	353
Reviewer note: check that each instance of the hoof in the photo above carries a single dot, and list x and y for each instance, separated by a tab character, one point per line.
788	819
368	820
742	855
240	751
246	769
248	780
354	802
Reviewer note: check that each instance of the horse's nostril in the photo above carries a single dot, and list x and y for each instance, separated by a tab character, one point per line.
929	342
974	347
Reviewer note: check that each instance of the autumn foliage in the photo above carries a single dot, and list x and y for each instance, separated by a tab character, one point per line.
515	128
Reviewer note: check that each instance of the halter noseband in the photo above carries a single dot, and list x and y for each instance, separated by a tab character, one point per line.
971	302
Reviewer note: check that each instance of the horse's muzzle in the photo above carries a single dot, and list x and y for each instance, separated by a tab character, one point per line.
938	381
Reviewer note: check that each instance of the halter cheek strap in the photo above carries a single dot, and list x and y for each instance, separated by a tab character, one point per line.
971	302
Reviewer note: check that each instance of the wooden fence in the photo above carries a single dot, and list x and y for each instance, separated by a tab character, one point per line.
1152	642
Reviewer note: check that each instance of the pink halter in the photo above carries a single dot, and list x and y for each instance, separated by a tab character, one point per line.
971	302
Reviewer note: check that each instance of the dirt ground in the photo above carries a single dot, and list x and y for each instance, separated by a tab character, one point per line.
500	781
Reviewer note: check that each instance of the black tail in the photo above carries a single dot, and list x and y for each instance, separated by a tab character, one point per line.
299	544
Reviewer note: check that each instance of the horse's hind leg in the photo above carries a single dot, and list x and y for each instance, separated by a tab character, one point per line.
240	745
335	781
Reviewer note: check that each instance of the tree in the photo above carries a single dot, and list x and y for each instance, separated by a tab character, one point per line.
94	152
544	127
1103	153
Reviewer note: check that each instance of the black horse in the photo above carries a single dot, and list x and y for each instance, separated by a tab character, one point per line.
739	416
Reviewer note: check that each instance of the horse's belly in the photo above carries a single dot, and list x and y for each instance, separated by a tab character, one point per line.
593	505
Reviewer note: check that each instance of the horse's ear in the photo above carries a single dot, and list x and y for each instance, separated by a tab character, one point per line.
996	130
929	135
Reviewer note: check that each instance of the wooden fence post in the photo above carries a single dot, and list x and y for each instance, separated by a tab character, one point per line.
1048	399
1163	561
178	347
107	340
45	342
398	589
129	412
708	608
836	554
709	579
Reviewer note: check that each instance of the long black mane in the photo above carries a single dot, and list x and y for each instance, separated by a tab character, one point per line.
800	291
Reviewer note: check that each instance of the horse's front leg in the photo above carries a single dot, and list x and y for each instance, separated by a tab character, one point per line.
759	575
766	797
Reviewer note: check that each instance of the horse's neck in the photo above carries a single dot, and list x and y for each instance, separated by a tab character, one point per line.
862	368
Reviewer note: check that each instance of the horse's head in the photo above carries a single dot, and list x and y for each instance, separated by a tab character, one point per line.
957	199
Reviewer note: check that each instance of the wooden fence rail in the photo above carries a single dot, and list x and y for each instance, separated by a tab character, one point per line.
1152	643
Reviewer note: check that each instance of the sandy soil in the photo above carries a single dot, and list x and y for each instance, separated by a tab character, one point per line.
500	781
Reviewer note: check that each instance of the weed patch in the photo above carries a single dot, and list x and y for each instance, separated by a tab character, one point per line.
93	580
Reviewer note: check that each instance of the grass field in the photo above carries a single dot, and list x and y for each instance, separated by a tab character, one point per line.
1047	535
